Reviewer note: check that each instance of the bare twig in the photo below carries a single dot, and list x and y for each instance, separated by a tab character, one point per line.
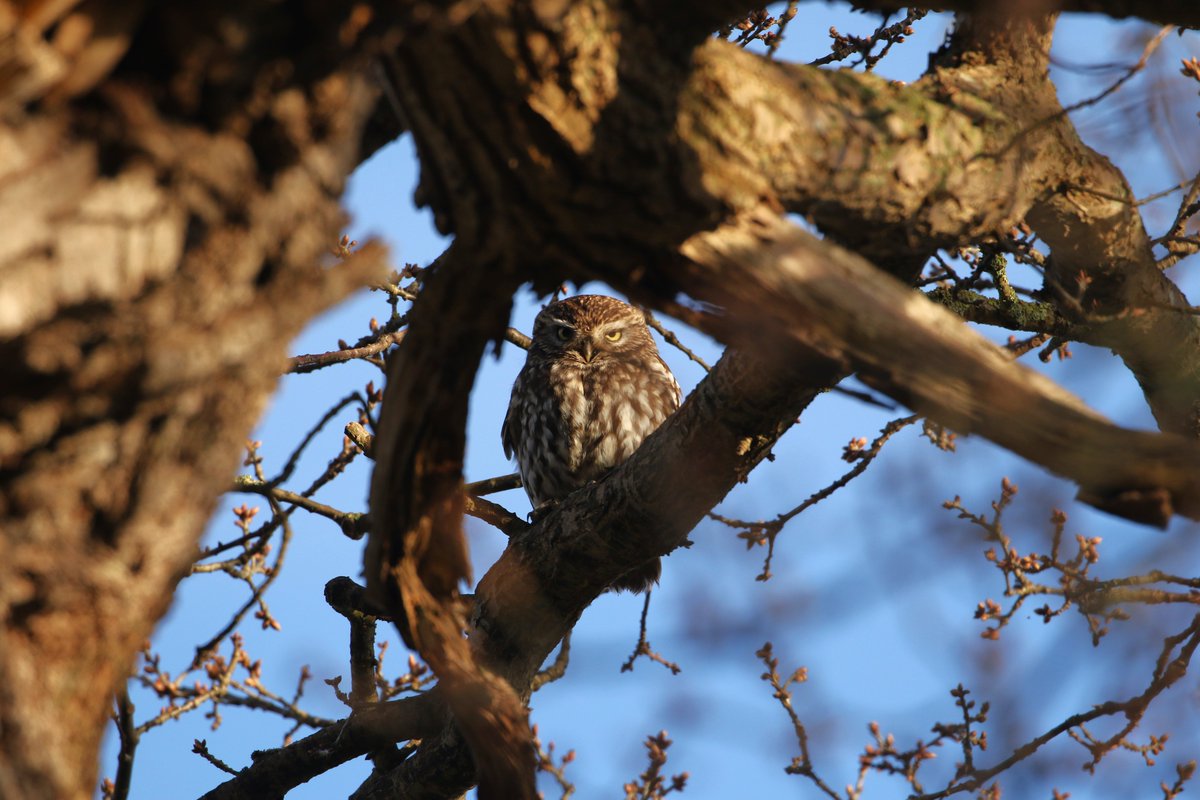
123	716
299	449
1137	67
1167	672
495	515
650	784
846	45
757	533
348	521
555	670
256	597
545	763
642	648
670	338
801	765
311	363
514	336
200	748
501	483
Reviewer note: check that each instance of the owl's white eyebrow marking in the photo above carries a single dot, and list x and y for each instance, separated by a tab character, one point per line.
618	324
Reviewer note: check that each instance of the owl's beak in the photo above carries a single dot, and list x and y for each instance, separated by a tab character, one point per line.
586	351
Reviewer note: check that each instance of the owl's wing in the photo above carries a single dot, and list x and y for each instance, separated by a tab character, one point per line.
512	424
674	383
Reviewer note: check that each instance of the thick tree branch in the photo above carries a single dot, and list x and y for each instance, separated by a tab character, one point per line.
1103	273
776	278
888	170
970	150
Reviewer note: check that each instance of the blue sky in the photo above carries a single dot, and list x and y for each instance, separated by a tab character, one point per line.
884	632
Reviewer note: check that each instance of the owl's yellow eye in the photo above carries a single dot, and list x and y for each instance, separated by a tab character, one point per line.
613	336
563	333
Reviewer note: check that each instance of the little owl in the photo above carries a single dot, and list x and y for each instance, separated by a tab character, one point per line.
592	388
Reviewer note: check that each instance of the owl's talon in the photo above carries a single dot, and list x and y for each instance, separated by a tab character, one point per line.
539	513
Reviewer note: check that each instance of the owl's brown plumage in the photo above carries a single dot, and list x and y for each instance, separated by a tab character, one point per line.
592	388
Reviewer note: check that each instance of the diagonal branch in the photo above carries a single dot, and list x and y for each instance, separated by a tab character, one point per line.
778	280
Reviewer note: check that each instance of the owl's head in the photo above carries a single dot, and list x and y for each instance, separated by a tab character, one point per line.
591	328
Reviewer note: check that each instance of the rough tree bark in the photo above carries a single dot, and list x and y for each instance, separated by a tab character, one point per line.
169	187
169	182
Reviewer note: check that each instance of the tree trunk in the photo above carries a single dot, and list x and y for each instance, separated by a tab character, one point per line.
165	222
